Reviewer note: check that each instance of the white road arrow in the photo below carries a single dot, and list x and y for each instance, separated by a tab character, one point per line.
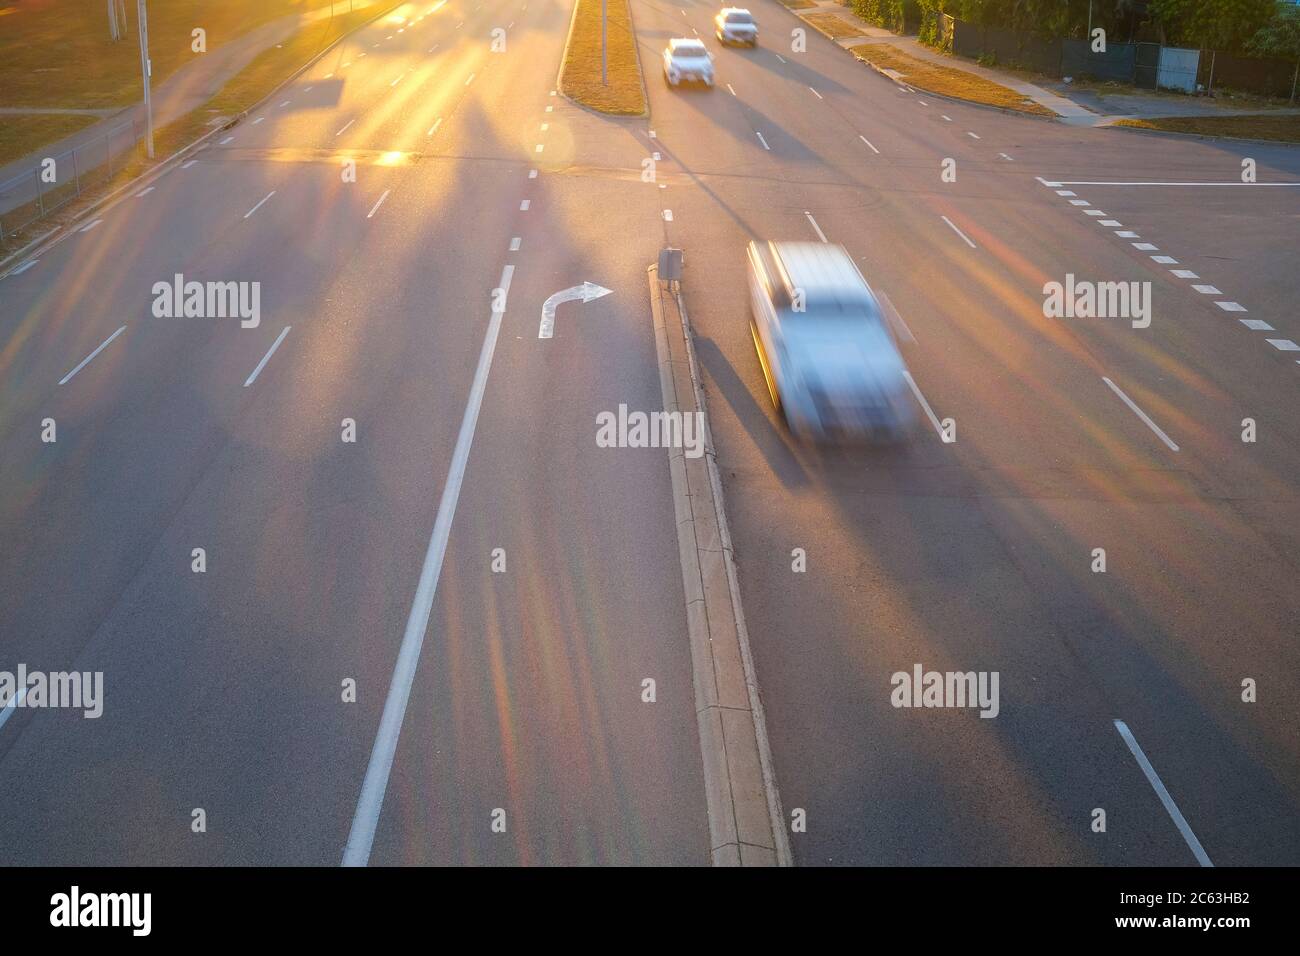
586	292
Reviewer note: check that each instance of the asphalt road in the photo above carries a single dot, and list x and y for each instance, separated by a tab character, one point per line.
223	689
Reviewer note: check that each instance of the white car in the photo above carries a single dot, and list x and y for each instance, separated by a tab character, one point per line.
687	61
736	25
829	358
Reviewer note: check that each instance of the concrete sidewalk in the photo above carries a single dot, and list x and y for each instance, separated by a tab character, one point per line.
184	91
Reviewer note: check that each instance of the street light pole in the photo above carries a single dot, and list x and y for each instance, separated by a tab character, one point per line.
604	60
145	70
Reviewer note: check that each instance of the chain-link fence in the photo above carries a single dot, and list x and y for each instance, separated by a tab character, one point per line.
59	178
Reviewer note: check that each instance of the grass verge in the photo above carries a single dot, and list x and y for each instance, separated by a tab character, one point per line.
580	74
245	89
24	133
1282	129
832	25
798	4
947	81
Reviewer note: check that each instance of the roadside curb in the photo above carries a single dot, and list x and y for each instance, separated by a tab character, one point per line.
42	244
746	822
564	56
1206	136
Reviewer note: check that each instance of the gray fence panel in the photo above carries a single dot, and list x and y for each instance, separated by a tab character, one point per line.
1178	69
1117	63
1007	47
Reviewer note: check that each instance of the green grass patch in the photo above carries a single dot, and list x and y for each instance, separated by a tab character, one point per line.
21	134
58	54
1283	129
580	75
832	25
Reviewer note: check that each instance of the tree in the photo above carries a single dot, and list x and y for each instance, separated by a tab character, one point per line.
1280	36
1211	24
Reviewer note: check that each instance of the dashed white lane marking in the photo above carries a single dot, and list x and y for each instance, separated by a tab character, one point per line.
1170	807
538	148
1093	212
762	140
816	94
550	109
668	215
363	53
780	57
1126	234
434	128
86	360
868	142
891	313
532	174
1080	202
258	120
1231	306
1184	273
346	65
345	126
1006	157
816	228
523	205
1140	414
1144	246
1165	260
1109	223
972	135
923	102
144	192
284	104
946	117
1283	345
375	208
545	127
259	204
361	837
1066	192
934	419
515	243
1256	325
309	89
9	706
959	232
396	81
470	80
327	76
267	357
225	141
90	226
731	89
1207	290
189	164
24	267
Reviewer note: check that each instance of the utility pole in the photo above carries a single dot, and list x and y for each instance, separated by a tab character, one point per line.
145	70
604	32
113	33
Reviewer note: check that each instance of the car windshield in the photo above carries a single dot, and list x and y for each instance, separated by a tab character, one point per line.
739	18
689	53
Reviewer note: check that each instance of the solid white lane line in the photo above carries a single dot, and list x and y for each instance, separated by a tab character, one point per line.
8	707
1139	413
818	229
1231	183
144	192
90	226
86	360
868	142
934	420
434	128
366	819
225	141
345	126
959	232
259	204
24	267
893	316
1171	808
189	164
762	140
375	208
267	357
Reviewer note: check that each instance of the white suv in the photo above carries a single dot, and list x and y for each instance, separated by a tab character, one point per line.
736	25
687	61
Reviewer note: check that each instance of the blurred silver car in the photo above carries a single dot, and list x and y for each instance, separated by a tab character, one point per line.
687	61
736	25
830	361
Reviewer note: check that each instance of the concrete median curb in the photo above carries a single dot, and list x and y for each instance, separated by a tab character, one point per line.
746	822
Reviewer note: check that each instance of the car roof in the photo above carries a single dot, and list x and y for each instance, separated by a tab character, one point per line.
726	10
825	272
685	43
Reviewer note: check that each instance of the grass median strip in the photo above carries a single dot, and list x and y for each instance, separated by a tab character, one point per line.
947	81
832	25
22	133
1283	129
580	76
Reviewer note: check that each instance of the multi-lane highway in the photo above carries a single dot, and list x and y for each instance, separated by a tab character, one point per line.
499	588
